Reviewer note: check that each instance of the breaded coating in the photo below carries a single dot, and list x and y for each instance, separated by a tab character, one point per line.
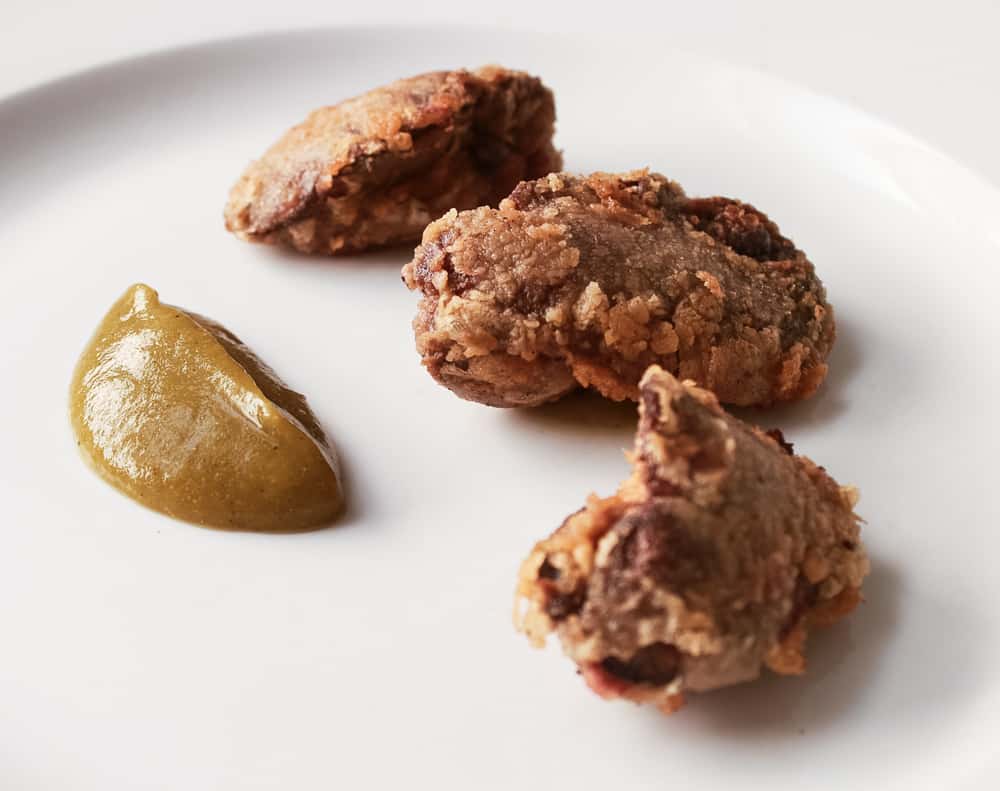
712	560
374	170
588	280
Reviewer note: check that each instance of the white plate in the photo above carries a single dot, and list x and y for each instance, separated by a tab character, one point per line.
138	652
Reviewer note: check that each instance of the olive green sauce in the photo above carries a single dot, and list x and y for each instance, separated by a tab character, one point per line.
173	410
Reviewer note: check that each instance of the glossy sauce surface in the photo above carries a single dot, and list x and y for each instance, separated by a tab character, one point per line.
176	412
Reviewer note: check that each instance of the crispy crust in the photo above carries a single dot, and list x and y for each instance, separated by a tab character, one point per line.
712	561
587	280
374	170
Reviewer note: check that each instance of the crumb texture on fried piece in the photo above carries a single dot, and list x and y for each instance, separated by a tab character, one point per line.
374	170
588	280
711	560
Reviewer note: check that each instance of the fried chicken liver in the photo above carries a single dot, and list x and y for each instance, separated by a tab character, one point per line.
710	562
374	170
588	280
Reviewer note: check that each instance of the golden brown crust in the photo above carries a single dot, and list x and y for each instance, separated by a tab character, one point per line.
787	657
374	170
711	561
592	279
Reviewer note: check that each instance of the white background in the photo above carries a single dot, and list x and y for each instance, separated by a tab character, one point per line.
931	68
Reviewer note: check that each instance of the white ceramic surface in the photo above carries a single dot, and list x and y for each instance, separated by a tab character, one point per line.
138	652
910	63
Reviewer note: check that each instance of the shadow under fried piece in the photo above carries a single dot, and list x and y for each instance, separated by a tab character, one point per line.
831	399
582	415
709	563
842	661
